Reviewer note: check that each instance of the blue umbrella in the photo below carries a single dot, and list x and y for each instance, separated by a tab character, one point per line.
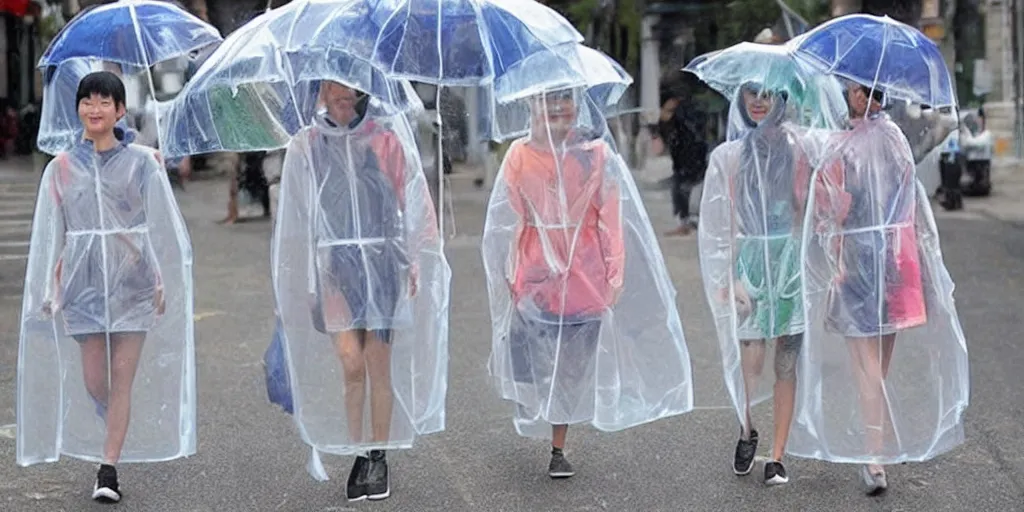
136	33
444	42
881	53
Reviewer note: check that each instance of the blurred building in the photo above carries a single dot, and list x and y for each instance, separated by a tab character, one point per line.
20	49
1002	64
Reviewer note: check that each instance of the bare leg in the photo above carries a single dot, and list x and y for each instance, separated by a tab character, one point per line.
752	363
866	354
94	367
378	362
786	352
126	348
232	199
558	433
349	347
888	343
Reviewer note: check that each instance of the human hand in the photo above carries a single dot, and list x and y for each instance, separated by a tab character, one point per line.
414	278
743	303
158	300
657	146
616	293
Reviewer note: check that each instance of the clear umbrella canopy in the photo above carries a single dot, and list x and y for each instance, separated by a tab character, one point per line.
578	66
260	87
881	53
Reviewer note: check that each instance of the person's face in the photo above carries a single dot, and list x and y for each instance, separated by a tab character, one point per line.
555	113
757	103
857	100
340	101
99	114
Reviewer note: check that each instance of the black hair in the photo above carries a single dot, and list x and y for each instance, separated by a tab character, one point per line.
875	94
104	84
362	104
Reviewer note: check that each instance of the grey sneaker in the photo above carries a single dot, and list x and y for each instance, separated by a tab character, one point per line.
775	473
746	450
559	467
378	478
356	488
874	484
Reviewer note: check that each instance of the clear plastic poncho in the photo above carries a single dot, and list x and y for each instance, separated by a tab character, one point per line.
749	233
583	311
362	286
885	373
109	283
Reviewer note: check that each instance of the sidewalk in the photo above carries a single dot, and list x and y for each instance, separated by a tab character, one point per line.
20	169
1007	200
19	179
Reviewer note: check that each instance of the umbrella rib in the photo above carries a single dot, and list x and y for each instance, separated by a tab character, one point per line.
440	68
484	32
286	65
376	44
878	68
848	50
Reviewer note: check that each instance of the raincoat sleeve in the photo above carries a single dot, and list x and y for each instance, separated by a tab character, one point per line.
830	206
52	287
38	355
402	172
511	211
613	246
715	232
293	229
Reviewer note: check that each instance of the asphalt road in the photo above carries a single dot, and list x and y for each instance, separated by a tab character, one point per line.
250	458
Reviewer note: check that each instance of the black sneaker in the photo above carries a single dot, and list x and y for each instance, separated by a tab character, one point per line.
356	490
746	449
775	473
106	489
378	481
559	466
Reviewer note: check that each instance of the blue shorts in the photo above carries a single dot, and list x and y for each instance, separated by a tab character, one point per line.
533	345
82	338
371	286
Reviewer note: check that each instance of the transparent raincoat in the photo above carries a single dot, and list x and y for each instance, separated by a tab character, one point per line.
362	287
109	283
885	373
585	327
750	229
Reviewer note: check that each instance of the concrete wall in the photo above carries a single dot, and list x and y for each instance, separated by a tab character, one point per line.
1000	114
